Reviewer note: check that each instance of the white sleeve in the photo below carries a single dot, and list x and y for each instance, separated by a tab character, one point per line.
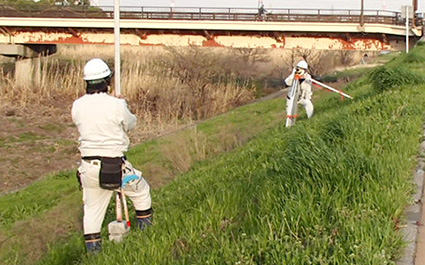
306	87
290	78
74	113
129	119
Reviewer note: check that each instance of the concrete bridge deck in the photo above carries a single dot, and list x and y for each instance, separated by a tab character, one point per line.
25	34
230	27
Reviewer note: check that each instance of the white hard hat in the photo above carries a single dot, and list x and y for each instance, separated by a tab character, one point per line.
302	64
96	69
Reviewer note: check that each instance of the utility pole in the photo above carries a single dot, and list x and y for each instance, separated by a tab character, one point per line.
415	8
407	29
117	48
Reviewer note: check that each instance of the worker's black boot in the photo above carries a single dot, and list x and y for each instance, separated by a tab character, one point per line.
144	218
93	243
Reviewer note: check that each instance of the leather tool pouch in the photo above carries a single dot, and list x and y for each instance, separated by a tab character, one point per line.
110	175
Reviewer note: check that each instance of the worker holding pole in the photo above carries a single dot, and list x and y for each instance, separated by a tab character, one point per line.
103	122
301	73
300	92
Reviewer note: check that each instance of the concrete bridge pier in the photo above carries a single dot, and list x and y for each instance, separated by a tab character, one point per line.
27	61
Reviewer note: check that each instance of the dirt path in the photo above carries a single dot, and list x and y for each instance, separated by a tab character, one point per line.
35	141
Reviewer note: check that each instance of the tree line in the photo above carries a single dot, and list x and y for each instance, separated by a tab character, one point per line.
36	4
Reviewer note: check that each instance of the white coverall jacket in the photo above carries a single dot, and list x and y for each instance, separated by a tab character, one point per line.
306	92
103	122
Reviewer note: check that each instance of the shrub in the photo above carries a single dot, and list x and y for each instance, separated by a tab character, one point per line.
413	58
330	78
420	43
386	78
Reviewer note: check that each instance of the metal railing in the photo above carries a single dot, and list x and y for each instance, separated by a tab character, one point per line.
205	13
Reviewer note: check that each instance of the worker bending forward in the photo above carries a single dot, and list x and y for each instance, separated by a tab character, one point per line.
305	85
103	122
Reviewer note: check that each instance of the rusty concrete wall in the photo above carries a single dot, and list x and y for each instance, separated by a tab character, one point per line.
371	42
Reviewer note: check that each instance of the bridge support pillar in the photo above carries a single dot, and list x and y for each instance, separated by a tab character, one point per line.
27	61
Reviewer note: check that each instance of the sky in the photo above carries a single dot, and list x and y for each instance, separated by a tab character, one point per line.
391	5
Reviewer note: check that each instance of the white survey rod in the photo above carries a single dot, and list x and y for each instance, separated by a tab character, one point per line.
330	88
117	48
407	29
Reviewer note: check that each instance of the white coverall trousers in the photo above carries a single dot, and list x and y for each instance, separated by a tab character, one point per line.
305	99
96	199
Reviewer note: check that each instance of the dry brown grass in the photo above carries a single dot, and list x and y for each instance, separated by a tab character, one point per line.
166	86
183	152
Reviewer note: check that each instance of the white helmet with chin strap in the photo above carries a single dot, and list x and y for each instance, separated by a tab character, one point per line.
302	64
96	69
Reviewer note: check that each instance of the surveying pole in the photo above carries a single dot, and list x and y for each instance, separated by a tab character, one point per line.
407	29
292	105
117	48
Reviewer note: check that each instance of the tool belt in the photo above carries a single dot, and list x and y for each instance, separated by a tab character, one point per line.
110	174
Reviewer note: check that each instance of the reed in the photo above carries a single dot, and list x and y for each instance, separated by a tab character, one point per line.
157	89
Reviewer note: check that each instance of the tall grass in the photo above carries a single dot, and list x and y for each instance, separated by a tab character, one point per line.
49	212
387	78
165	87
330	190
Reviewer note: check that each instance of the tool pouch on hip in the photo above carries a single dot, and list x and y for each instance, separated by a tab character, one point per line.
110	175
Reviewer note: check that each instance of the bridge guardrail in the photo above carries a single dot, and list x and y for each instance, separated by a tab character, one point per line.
226	14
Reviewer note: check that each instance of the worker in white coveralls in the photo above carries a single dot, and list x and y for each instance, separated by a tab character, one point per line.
103	122
305	86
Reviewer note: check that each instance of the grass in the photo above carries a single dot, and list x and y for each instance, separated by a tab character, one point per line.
25	137
330	190
37	206
23	205
350	74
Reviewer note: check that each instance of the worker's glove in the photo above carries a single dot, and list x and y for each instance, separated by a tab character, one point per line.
302	102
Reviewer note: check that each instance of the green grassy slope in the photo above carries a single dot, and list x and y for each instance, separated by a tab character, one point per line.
49	211
330	190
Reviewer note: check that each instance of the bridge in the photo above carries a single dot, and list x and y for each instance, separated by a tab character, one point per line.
27	33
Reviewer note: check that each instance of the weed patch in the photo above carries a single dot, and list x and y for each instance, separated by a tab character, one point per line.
386	78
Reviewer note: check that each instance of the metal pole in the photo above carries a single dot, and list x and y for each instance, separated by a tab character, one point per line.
407	29
415	8
361	13
117	48
331	88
